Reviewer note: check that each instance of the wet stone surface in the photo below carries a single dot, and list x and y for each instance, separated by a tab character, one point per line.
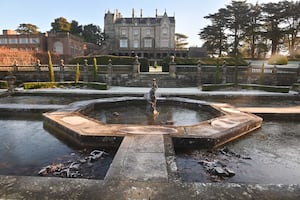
79	166
215	164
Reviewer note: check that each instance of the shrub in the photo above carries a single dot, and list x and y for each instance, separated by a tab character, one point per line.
3	84
95	69
77	73
232	86
278	59
37	85
115	60
230	61
50	67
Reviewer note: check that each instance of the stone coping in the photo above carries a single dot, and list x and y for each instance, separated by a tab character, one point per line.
231	124
20	187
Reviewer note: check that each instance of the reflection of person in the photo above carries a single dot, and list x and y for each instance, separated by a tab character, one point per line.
152	99
152	94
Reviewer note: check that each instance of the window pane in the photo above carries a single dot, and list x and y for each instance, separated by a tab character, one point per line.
135	44
23	40
3	40
12	41
164	43
34	40
123	43
148	43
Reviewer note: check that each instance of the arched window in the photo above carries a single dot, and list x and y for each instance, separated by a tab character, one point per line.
58	48
165	31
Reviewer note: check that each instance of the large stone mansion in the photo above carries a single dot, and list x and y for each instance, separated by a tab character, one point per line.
149	37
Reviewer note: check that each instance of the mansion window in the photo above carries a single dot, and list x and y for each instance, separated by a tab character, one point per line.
136	32
3	40
148	43
23	40
34	40
123	32
164	43
13	41
123	43
165	31
135	44
58	47
148	32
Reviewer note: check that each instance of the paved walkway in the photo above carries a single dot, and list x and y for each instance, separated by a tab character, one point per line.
160	91
128	176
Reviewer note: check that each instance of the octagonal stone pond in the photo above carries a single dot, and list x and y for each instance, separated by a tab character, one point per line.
211	125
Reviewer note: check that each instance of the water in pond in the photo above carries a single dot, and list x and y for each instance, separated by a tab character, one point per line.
39	100
270	155
139	114
26	148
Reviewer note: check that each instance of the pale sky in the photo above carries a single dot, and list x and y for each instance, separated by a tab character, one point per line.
188	13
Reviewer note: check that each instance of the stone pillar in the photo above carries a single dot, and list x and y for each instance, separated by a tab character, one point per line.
15	66
224	72
249	73
199	70
274	75
61	70
136	67
37	70
109	73
172	67
10	79
85	71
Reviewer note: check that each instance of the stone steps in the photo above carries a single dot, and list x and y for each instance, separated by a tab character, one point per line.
145	80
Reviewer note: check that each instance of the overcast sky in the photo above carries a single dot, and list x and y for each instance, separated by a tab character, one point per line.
188	13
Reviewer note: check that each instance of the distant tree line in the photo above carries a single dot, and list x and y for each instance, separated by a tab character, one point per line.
89	33
245	29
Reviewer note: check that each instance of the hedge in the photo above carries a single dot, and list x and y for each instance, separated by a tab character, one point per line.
38	85
3	84
115	60
267	88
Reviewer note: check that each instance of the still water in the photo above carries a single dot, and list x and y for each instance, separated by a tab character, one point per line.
139	114
26	147
274	152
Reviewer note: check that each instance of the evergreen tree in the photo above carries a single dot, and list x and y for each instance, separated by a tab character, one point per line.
273	17
75	29
237	21
216	39
93	34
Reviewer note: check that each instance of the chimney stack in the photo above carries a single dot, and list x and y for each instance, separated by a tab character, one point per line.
156	12
132	12
141	13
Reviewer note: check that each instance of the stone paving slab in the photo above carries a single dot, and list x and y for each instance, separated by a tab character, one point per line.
140	158
37	188
279	110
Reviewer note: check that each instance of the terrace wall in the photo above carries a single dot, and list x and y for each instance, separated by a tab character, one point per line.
179	76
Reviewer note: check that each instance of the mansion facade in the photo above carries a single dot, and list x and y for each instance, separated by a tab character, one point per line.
149	37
